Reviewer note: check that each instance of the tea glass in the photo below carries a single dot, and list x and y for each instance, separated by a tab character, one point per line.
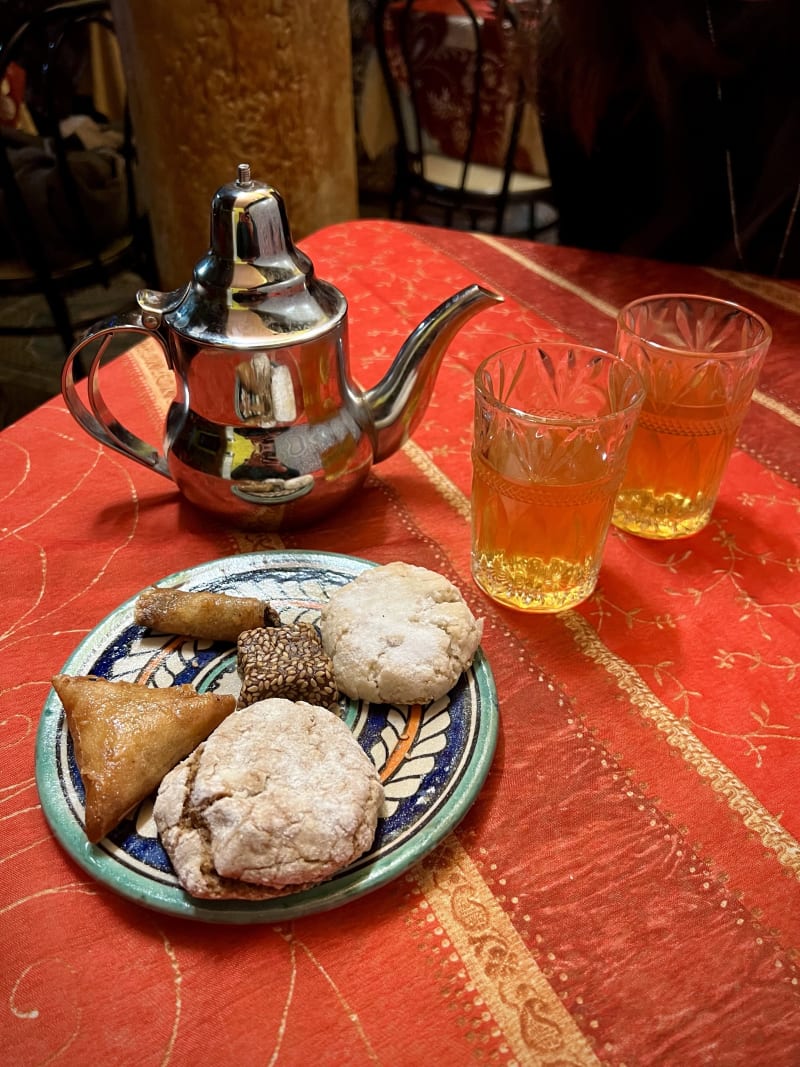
553	423
700	358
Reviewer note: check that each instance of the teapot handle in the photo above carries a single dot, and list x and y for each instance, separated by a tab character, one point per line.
97	418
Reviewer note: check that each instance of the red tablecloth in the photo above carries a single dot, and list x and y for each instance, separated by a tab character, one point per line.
624	890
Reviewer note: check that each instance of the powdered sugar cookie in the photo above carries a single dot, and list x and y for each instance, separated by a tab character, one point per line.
279	800
399	634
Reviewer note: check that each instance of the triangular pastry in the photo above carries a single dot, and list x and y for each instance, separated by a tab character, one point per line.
127	736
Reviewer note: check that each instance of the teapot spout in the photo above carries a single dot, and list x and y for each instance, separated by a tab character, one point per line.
393	408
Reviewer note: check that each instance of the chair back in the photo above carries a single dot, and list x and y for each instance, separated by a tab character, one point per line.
455	86
70	216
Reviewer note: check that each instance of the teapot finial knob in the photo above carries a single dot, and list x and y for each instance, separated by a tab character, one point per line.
253	289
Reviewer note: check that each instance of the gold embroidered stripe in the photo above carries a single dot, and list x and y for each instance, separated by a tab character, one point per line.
447	489
534	1021
783	410
156	375
781	295
739	798
778	293
549	275
755	817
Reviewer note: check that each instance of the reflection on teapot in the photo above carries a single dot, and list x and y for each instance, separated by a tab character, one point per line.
266	427
264	391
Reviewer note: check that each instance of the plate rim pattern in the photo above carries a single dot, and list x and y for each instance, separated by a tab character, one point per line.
100	861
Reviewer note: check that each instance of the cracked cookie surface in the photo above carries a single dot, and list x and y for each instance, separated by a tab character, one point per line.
399	634
280	800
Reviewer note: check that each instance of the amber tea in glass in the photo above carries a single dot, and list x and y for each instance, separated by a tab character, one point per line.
700	358
553	422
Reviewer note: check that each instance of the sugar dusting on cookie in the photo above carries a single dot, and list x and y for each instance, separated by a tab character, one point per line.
399	634
281	799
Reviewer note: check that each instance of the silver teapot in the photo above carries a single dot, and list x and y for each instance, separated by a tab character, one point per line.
266	428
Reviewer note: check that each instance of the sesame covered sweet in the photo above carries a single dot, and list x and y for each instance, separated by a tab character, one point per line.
286	661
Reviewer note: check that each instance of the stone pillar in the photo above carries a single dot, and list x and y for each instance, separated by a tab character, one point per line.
211	85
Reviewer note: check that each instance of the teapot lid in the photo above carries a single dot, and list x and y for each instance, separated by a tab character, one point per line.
254	288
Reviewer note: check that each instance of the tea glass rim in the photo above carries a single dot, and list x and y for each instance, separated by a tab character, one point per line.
721	356
564	420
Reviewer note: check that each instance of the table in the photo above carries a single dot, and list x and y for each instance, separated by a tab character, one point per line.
624	891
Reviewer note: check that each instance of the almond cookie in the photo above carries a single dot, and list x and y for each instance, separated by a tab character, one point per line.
278	800
399	634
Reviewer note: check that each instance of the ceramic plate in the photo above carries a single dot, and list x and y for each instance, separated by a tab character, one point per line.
432	759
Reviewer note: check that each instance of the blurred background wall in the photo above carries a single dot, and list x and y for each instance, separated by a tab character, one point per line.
267	82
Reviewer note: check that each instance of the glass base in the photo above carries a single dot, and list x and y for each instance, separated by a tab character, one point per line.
532	584
660	518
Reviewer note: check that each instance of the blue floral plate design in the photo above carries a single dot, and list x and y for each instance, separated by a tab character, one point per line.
432	759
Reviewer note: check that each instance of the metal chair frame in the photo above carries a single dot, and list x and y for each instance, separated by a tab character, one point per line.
412	188
52	26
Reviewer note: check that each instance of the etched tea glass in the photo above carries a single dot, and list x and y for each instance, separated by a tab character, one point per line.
700	359
553	423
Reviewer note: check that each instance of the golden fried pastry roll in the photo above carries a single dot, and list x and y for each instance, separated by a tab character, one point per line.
215	616
127	736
